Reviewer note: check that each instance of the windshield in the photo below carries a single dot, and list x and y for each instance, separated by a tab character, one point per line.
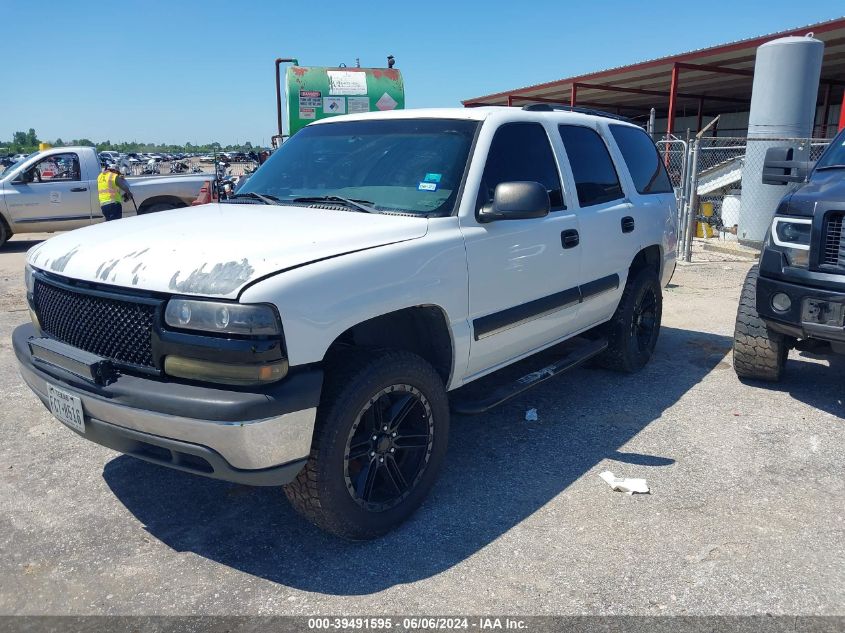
14	165
835	153
405	165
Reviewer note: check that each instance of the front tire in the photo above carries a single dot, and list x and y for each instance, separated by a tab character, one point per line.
379	443
759	353
632	332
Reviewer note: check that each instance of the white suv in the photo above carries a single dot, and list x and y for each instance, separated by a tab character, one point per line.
314	331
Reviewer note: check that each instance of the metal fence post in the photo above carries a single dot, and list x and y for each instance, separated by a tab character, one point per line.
684	198
692	201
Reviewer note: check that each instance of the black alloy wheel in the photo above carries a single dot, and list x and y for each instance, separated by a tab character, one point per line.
379	442
644	323
389	447
633	331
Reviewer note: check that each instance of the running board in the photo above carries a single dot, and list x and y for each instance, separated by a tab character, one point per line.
490	392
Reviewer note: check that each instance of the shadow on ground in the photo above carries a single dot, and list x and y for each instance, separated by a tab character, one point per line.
818	384
19	246
500	470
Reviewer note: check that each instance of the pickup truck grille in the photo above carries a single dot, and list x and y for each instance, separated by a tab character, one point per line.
833	250
117	329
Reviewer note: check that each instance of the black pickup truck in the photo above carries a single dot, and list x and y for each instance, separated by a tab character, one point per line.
795	297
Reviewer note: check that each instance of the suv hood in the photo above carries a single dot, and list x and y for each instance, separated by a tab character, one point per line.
823	186
215	250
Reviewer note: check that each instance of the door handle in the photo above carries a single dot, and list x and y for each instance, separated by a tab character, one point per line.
627	224
569	238
77	189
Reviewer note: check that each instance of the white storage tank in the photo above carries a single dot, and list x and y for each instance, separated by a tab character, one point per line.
730	211
783	106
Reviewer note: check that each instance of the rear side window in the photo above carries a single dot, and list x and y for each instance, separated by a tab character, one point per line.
520	152
595	176
643	161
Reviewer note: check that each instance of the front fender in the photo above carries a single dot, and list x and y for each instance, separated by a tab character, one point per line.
321	300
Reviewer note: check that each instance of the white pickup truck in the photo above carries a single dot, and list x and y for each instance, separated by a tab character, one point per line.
378	270
56	190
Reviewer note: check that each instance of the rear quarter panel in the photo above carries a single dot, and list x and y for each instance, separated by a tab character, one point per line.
655	214
186	188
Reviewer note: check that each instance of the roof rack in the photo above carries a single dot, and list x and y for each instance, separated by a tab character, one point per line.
554	107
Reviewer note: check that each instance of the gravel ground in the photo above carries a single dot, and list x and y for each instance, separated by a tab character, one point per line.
745	514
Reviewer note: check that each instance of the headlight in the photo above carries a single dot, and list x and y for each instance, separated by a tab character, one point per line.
29	279
792	232
793	235
222	318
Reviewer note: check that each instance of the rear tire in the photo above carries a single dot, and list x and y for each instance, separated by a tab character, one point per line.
759	353
632	332
155	208
379	443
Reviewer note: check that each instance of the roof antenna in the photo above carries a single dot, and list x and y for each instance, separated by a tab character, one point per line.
390	61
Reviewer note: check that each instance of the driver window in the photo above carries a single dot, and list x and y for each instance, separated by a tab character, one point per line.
521	151
57	168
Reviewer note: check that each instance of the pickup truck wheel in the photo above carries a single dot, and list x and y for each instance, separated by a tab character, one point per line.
759	353
633	330
5	233
379	442
161	206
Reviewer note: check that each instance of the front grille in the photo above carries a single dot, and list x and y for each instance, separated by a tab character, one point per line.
112	328
833	250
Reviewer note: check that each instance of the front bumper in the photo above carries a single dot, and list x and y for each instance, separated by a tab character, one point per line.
252	437
792	322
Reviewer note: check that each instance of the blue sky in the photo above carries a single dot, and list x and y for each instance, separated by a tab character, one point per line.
195	71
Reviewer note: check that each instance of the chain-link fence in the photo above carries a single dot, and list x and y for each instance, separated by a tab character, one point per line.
674	152
721	196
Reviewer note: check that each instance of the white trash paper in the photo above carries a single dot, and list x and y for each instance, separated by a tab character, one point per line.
623	484
531	415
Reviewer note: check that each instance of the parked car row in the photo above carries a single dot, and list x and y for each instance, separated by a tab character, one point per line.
8	160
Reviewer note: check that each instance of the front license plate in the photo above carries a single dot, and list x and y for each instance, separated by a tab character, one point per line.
67	408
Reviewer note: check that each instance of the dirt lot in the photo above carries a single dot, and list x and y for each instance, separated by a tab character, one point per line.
745	515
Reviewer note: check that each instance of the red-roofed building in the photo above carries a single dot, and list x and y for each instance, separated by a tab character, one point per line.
689	89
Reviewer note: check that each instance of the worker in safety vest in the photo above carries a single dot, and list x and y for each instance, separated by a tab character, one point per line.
110	184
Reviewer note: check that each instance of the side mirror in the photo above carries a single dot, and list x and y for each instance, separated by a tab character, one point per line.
779	167
516	201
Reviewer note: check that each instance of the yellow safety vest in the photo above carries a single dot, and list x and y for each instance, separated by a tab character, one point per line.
107	188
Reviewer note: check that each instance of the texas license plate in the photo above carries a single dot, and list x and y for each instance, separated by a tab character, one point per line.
67	408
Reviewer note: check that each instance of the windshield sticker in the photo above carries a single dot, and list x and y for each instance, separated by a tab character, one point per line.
432	177
427	186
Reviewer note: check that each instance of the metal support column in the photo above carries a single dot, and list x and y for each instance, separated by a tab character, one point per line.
673	91
574	96
826	111
700	114
842	114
